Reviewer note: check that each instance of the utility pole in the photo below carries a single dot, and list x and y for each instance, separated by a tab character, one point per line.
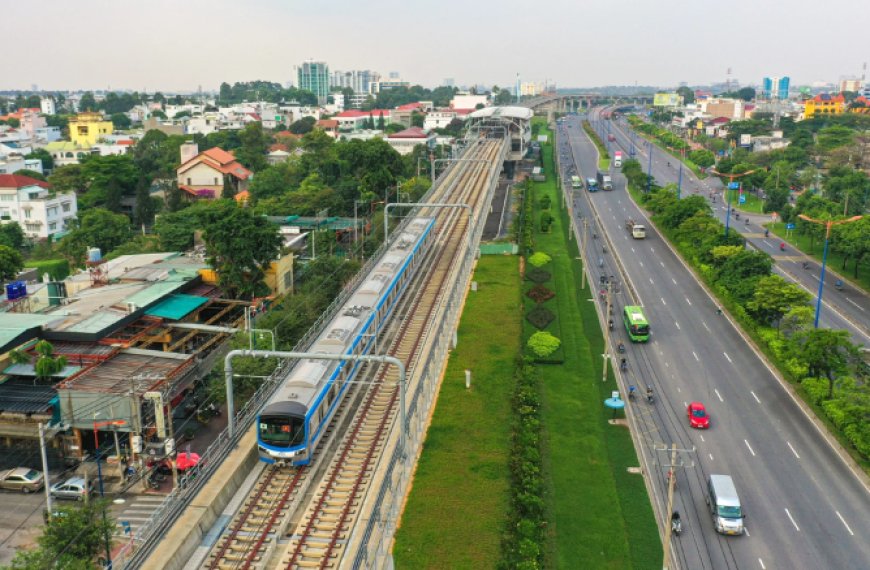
583	253
45	469
673	463
607	318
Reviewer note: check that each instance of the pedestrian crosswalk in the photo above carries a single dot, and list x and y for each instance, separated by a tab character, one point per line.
136	511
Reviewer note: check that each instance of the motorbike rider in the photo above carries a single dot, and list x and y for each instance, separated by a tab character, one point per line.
649	393
676	523
623	364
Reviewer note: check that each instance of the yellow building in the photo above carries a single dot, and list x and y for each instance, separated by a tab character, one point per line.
86	129
824	104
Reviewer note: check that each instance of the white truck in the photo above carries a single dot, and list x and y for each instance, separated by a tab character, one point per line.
638	231
617	159
604	181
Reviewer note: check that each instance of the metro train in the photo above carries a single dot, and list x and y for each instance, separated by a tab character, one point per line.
290	426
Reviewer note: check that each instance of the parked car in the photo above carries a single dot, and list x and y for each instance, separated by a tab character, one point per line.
698	417
74	488
22	479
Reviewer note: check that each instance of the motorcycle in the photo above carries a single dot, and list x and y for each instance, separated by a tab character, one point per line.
649	395
632	391
623	365
610	324
676	523
782	247
621	348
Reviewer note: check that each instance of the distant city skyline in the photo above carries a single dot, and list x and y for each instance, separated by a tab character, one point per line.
171	46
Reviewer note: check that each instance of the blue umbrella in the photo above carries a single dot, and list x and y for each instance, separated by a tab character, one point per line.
614	404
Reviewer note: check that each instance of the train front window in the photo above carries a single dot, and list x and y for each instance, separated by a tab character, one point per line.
281	431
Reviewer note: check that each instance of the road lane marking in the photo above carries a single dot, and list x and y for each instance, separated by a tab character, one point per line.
667	365
696	356
760	561
701	436
678	325
632	250
641	263
746	531
718	395
650	281
672	279
728	357
792	450
663	300
652	249
685	404
856	304
792	520
844	523
705	326
690	304
754	396
753	455
710	455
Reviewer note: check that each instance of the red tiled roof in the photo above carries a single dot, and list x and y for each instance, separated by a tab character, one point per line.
20	181
412	133
255	116
125	142
354	113
327	123
827	97
720	120
462	111
279	146
409	106
220	160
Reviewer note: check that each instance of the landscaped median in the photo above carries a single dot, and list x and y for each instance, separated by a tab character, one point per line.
523	470
667	141
603	155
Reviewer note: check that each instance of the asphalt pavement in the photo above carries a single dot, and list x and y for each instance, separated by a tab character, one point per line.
805	507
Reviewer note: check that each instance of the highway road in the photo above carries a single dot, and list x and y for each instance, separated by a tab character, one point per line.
848	309
805	508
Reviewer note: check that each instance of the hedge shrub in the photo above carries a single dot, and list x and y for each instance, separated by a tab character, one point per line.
58	269
540	259
543	344
539	294
540	317
537	275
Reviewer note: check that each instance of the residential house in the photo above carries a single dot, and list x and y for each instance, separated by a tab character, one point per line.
203	175
405	141
861	105
824	104
86	129
66	152
31	204
329	126
12	163
354	120
168	127
468	101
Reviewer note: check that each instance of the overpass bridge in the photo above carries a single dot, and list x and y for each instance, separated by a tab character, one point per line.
573	102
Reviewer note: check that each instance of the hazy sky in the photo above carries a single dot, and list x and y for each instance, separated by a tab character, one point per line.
181	44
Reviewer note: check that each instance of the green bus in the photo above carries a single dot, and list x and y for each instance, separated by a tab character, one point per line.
635	323
575	182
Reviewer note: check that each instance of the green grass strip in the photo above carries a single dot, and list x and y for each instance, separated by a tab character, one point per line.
599	515
455	514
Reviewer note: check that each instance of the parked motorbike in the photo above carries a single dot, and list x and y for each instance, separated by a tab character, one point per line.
676	523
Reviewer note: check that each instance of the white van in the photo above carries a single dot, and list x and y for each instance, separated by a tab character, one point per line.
724	505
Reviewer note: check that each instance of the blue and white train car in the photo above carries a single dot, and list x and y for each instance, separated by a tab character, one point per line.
290	426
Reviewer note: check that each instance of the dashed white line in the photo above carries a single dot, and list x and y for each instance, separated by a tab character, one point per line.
710	455
672	279
792	450
651	281
754	396
667	365
705	326
663	300
678	325
632	250
661	263
746	530
641	263
696	356
856	304
763	567
702	437
844	523
652	249
690	303
753	455
718	395
792	520
728	357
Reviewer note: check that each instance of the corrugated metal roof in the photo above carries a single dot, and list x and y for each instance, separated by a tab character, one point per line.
30	370
176	307
12	325
21	396
154	292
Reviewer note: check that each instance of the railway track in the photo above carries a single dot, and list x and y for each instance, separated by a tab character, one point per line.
322	529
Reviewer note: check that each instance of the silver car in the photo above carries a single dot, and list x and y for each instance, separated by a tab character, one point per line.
73	488
22	479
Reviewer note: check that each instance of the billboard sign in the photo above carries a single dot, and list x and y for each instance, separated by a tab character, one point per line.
733	185
667	100
745	140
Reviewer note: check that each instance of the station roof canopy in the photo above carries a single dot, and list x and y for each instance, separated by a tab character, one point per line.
523	113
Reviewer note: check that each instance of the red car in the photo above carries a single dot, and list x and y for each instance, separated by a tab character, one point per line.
698	417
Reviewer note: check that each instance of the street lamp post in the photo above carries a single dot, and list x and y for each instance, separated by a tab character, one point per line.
731	178
828	225
649	170
680	178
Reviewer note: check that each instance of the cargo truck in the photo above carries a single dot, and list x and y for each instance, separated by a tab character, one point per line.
604	181
617	159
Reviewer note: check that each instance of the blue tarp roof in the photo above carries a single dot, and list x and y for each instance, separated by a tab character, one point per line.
176	307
